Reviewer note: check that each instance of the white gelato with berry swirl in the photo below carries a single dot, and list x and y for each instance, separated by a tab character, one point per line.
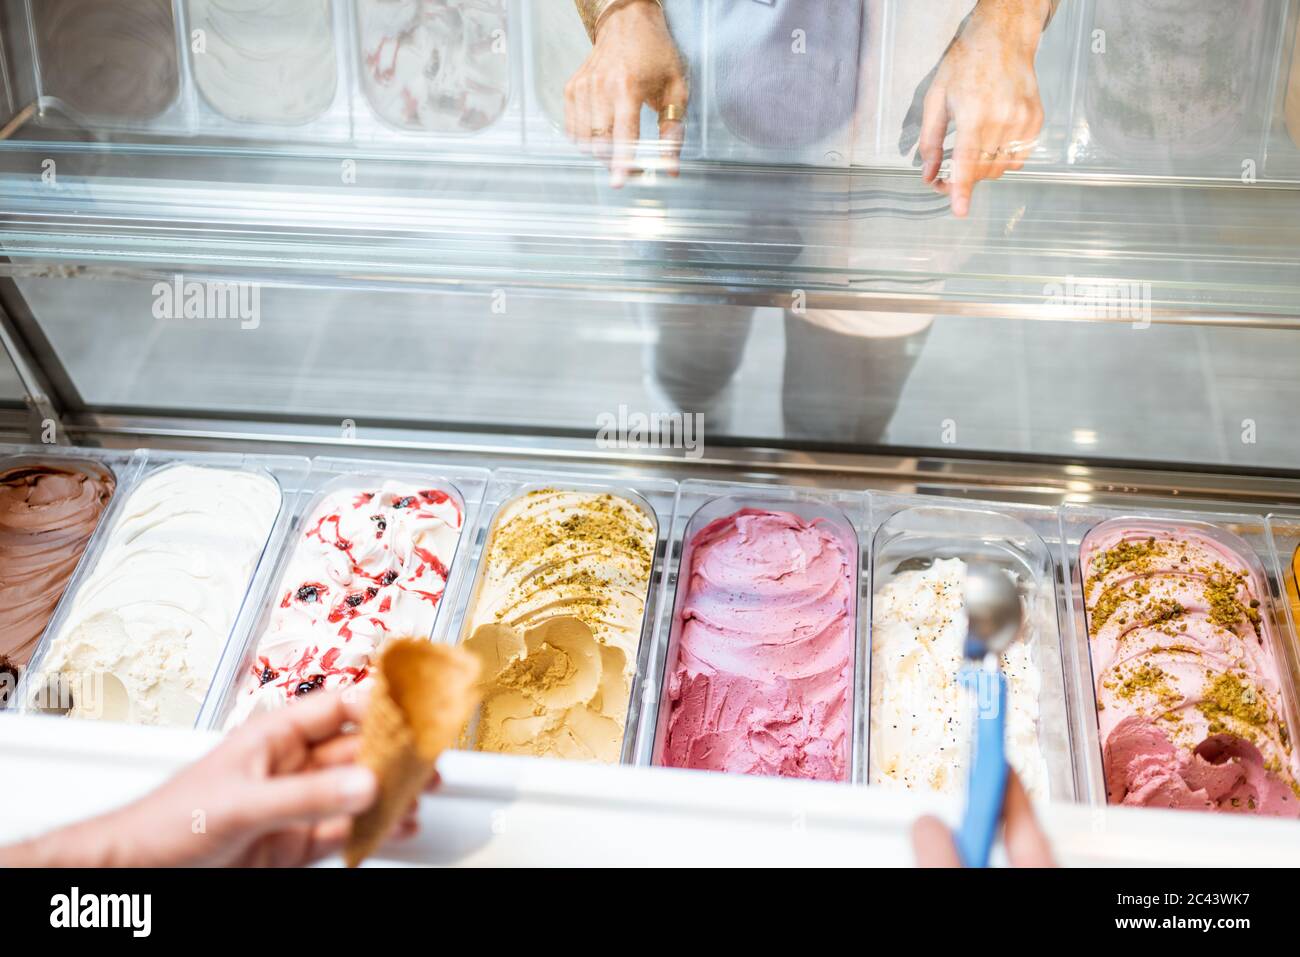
368	564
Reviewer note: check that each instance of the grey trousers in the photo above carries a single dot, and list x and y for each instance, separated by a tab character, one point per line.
836	388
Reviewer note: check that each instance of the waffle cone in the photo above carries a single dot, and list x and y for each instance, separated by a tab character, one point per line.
422	696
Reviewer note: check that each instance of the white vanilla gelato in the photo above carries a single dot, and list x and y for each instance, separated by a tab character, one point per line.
147	627
265	61
920	713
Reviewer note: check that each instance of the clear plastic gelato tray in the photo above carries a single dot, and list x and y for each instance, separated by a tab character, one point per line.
119	66
1284	135
562	609
1181	87
39	558
809	687
437	75
154	572
404	553
920	735
1284	539
907	40
773	83
277	70
1217	541
557	47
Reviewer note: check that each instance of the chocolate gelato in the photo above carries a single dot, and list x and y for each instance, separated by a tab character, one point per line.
47	515
114	59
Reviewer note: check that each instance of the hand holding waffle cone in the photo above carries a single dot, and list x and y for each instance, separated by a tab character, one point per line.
422	695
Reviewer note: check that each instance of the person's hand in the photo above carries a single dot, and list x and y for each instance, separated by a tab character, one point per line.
633	62
278	791
986	84
1027	845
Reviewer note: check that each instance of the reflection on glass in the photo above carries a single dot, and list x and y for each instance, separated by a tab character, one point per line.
265	61
562	46
115	60
779	93
1175	75
917	38
12	392
438	65
835	379
1293	93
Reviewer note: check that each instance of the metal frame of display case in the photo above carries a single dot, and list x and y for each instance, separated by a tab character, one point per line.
469	224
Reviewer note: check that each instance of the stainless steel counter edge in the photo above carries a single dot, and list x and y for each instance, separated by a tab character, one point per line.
1040	481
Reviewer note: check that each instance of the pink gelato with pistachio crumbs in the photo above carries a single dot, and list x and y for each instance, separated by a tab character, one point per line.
765	654
1189	694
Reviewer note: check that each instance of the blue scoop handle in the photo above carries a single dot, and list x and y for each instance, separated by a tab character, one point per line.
988	773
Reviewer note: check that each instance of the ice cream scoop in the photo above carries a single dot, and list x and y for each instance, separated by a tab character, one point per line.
993	612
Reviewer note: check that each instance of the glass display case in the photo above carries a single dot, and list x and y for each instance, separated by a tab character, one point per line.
384	253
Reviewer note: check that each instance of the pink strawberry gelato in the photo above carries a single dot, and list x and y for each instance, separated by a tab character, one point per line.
1189	695
764	668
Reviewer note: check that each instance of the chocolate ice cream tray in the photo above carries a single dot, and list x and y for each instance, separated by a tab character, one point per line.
143	40
122	464
119	466
286	472
464	486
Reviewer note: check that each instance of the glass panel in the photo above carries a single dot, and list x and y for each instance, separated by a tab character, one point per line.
1163	187
12	393
781	189
1181	393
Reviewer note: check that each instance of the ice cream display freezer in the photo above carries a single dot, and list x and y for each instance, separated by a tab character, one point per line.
320	333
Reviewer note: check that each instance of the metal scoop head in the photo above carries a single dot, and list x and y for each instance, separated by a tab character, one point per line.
992	608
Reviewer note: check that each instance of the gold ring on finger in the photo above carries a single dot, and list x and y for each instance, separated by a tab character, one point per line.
672	113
